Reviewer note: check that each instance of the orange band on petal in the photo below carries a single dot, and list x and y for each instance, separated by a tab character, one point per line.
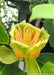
19	55
35	54
22	37
32	37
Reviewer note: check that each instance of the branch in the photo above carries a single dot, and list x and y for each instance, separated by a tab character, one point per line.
37	22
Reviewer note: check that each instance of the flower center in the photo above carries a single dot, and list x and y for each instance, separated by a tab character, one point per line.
28	37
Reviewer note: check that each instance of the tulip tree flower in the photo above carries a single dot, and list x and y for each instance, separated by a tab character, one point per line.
27	42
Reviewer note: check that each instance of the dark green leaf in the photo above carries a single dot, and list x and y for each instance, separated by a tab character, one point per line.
50	28
17	62
35	0
40	63
45	57
4	38
11	70
31	6
7	56
32	0
42	11
1	66
51	1
48	69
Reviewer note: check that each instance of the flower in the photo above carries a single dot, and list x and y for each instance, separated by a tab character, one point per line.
27	40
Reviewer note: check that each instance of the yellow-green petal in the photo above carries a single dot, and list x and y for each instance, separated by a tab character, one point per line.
20	47
22	25
40	45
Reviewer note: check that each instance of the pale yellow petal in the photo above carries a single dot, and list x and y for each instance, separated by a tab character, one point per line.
27	35
36	37
18	34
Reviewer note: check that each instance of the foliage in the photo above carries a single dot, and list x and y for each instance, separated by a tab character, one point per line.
35	0
43	11
3	35
51	1
45	57
31	6
50	28
48	69
10	69
9	62
7	56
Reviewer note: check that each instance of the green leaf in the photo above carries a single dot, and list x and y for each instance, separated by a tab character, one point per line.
32	67
50	28
42	11
35	0
1	66
31	6
32	0
7	56
4	38
40	63
11	70
45	57
51	1
17	62
48	69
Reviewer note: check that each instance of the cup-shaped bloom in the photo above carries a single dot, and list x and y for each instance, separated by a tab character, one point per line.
27	40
